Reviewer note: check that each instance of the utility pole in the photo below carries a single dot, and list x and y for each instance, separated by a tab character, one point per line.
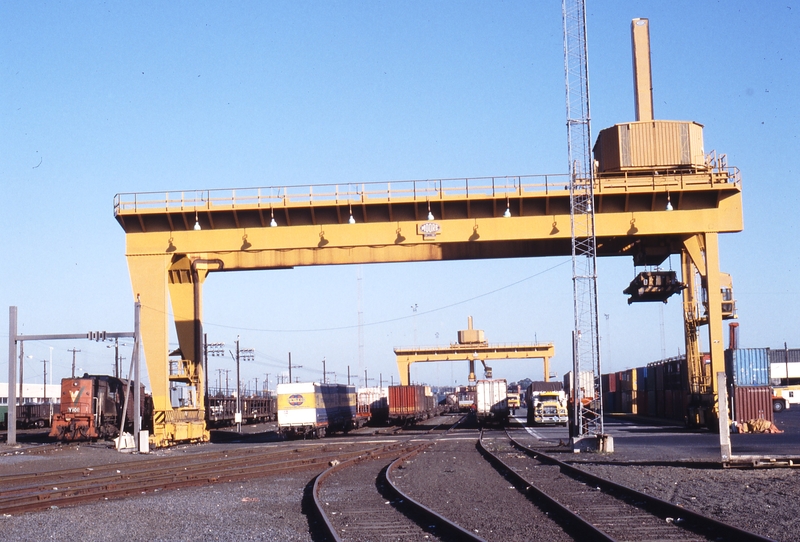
238	415
227	389
324	373
414	308
74	350
292	367
348	375
116	357
44	380
266	385
248	354
211	349
380	380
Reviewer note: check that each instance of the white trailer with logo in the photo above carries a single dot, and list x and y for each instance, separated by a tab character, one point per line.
491	401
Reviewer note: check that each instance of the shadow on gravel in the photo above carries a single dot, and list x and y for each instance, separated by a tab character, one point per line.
221	437
315	522
32	436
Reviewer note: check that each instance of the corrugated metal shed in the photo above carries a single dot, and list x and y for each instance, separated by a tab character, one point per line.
647	145
747	366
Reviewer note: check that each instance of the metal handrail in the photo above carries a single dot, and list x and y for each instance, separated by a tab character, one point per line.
392	191
414	190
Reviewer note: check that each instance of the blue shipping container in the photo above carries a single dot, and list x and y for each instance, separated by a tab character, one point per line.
747	366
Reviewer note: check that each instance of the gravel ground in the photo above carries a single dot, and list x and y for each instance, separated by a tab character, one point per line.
471	492
262	509
764	501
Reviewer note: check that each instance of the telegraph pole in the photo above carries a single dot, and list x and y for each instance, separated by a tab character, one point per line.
248	354
116	357
74	350
292	367
238	414
44	380
324	373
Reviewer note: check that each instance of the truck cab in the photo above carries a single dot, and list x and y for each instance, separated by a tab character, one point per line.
784	396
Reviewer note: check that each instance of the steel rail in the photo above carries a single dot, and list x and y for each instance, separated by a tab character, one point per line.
410	506
444	524
689	522
328	525
583	528
652	504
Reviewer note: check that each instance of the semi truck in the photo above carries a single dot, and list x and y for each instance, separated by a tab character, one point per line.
547	404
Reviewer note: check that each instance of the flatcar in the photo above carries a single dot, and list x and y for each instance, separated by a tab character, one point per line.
311	409
32	415
221	411
410	404
91	408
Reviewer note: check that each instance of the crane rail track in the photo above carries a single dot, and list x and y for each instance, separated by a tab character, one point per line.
34	492
591	507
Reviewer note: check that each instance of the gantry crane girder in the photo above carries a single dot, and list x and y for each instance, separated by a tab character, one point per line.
169	258
471	353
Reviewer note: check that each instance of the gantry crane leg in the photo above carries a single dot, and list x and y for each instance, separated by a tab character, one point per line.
153	278
701	255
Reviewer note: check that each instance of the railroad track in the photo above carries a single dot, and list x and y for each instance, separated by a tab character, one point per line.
69	487
357	500
592	508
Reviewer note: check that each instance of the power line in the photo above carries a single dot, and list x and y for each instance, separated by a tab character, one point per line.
399	318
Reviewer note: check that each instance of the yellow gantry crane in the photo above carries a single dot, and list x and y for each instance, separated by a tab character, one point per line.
654	193
472	347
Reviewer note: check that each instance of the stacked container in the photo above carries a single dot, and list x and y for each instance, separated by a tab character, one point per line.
747	372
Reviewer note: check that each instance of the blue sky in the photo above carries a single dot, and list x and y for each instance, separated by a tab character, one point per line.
103	98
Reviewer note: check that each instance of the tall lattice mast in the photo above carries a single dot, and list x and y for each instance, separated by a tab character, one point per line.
587	403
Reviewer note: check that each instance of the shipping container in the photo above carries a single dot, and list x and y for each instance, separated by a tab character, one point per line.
641	402
373	403
747	366
627	380
491	401
752	403
586	381
652	407
609	402
643	146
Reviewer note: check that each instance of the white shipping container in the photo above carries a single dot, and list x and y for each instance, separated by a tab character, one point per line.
491	400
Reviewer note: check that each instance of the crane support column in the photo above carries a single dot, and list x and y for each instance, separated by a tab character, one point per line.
701	254
154	277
